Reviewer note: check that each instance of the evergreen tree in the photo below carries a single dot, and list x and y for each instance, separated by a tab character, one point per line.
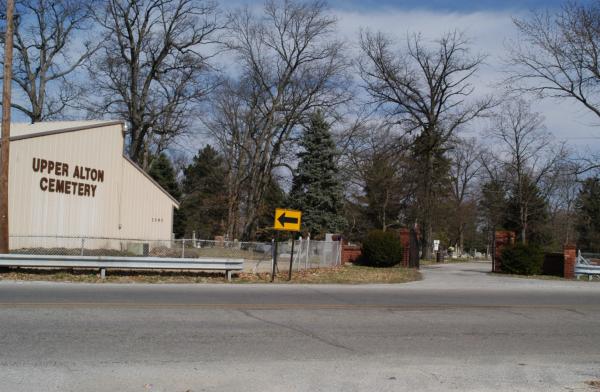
316	188
204	205
527	216
588	215
162	171
383	192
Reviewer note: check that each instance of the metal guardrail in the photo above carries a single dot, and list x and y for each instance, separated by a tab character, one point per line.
589	270
118	262
585	267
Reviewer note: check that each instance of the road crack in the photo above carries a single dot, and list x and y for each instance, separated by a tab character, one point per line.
301	331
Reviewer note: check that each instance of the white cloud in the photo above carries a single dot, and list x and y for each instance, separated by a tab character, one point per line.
489	31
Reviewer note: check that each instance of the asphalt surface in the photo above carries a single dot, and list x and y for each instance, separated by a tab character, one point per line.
459	329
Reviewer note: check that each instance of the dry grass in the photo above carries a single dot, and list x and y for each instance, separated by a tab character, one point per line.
349	274
112	276
342	275
595	384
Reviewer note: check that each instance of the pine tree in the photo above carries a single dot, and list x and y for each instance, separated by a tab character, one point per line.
588	215
316	189
204	205
162	171
527	215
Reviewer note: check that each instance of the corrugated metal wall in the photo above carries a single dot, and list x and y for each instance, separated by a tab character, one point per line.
126	204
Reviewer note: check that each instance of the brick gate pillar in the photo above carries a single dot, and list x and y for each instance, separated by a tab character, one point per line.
501	239
570	255
405	241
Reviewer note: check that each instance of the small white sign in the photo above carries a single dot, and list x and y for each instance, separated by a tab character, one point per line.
436	245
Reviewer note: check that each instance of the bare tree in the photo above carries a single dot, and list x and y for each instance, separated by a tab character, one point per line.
424	90
557	55
465	164
562	203
528	156
376	162
150	69
491	194
49	46
290	64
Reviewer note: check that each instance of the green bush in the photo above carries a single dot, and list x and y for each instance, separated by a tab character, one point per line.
381	249
522	259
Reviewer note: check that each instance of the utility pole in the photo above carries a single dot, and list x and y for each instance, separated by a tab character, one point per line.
5	139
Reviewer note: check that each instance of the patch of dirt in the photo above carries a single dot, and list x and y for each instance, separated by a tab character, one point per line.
595	384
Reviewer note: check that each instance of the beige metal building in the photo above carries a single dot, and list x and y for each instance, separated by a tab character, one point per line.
71	179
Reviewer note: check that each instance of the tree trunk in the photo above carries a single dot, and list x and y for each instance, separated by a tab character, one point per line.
461	239
524	225
427	227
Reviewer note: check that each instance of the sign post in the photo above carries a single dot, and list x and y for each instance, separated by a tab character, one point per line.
287	220
274	264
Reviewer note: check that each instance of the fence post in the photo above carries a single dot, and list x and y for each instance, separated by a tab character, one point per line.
291	259
183	248
82	245
307	251
299	255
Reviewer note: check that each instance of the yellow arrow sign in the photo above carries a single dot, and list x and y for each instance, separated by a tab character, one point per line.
288	220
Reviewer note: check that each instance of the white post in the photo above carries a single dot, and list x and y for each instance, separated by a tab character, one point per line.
307	251
299	254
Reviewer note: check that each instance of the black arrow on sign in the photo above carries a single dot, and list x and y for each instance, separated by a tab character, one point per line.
286	219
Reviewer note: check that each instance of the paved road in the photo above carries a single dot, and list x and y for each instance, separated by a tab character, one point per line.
458	329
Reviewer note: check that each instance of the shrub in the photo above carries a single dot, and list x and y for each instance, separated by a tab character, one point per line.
522	259
381	249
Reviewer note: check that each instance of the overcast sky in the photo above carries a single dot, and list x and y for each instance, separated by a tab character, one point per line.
489	24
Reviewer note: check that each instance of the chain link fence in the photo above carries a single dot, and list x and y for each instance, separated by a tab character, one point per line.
258	256
309	254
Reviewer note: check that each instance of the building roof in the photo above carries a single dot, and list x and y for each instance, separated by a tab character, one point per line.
20	131
25	130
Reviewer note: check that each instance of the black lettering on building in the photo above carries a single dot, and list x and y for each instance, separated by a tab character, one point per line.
60	186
